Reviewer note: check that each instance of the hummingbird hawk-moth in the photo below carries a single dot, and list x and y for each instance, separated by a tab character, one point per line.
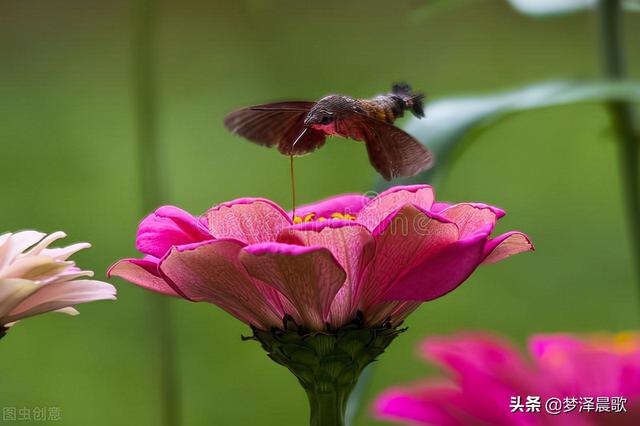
300	127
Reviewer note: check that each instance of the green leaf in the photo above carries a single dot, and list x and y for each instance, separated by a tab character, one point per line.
450	121
551	7
541	8
632	5
354	405
536	8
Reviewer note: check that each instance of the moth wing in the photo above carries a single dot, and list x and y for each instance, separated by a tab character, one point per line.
392	151
276	124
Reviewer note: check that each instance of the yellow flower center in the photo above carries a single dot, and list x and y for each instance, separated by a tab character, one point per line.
311	217
623	343
620	343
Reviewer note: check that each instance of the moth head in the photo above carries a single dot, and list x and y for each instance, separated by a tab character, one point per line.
319	117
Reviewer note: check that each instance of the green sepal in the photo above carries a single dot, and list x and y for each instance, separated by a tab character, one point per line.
326	363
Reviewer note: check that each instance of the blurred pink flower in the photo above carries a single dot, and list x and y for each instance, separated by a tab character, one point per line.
346	255
35	279
487	372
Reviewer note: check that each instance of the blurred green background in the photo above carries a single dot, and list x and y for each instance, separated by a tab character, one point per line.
68	161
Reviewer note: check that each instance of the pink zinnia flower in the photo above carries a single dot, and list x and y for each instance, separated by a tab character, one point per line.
487	373
35	278
324	291
344	257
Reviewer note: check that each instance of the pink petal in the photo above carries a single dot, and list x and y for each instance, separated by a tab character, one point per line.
543	343
428	406
169	226
57	296
352	246
438	206
345	204
586	366
394	312
440	272
210	271
250	220
472	217
472	351
310	277
391	200
144	273
506	245
489	371
404	238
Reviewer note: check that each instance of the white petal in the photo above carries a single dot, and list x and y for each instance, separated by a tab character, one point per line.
68	275
34	268
63	253
68	310
45	242
62	295
24	239
5	247
16	244
12	293
4	238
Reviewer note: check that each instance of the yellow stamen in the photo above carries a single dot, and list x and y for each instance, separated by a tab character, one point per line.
620	343
344	216
311	217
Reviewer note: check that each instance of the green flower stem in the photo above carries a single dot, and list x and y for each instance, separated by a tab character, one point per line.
327	363
622	117
328	408
151	186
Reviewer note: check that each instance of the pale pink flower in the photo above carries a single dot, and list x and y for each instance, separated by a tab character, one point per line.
485	373
346	257
35	278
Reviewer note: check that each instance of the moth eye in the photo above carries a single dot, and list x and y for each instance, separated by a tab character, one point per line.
326	119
